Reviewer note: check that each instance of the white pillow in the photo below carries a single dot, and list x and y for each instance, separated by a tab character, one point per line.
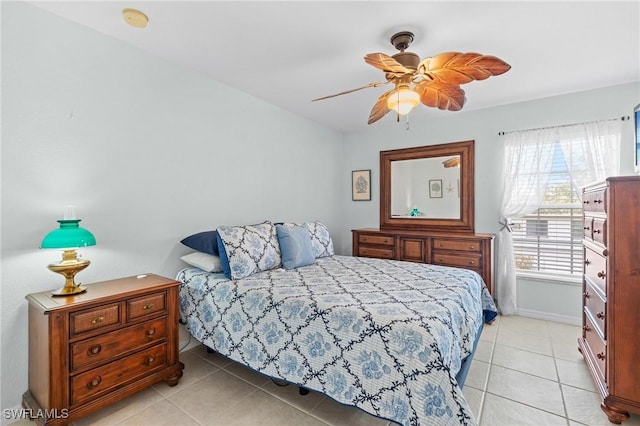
205	261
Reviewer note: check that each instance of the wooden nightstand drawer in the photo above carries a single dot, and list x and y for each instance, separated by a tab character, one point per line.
101	380
385	240
146	305
103	348
458	245
92	319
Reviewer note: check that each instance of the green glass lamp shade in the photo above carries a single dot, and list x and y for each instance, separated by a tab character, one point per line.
69	235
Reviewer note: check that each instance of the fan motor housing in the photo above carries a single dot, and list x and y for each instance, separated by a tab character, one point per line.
408	59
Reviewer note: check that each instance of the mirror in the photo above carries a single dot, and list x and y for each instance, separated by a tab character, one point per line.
428	188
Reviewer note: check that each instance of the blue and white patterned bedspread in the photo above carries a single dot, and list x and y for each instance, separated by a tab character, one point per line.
383	335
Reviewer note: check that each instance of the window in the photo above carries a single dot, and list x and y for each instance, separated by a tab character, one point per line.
550	238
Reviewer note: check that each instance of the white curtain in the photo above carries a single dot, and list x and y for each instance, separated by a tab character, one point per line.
592	154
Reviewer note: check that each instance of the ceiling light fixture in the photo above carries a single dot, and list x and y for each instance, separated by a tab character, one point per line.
135	18
403	99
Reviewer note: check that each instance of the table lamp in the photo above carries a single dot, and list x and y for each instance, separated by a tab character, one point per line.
68	238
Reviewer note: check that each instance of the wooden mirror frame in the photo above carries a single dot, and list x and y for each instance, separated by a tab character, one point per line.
465	223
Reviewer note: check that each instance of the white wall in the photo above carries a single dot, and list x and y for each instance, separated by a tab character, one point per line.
547	300
147	151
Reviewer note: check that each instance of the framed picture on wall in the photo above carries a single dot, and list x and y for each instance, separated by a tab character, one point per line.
361	185
435	188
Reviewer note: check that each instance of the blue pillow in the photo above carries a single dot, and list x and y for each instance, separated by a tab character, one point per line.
224	259
295	246
205	242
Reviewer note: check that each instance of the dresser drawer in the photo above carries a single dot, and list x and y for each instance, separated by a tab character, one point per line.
595	268
101	380
146	305
600	230
379	252
594	201
596	344
92	319
458	245
587	227
467	260
595	306
103	348
385	240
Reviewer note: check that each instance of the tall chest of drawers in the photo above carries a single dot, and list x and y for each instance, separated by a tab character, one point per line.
469	251
89	350
610	341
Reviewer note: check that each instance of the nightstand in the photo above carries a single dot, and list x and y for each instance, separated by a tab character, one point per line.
89	350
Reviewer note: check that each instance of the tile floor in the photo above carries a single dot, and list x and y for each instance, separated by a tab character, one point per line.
525	372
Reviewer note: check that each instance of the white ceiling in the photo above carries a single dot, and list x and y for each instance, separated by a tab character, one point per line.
288	53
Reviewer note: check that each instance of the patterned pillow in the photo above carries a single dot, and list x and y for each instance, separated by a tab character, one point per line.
321	243
250	248
295	246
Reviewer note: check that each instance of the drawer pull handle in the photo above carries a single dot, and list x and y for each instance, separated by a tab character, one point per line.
440	260
601	274
600	356
94	350
586	228
94	383
600	315
586	295
596	231
441	244
150	360
586	328
587	262
597	201
97	320
472	247
472	262
585	202
151	332
147	306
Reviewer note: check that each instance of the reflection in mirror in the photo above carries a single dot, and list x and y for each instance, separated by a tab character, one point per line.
426	188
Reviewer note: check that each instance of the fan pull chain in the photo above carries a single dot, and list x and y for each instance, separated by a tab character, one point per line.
407	122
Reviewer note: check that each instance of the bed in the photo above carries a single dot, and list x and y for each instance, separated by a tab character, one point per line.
390	337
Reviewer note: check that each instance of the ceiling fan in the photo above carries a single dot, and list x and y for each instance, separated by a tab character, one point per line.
435	81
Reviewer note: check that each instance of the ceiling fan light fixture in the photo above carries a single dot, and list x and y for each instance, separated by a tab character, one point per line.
402	100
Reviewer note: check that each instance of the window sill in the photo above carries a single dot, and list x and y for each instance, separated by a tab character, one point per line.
574	281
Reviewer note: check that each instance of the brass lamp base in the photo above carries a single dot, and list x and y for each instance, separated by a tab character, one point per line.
69	267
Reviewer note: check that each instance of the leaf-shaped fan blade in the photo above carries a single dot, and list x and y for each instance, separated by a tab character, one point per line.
379	83
386	63
380	109
441	96
457	68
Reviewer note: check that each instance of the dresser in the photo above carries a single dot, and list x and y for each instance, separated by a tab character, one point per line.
469	251
89	350
611	293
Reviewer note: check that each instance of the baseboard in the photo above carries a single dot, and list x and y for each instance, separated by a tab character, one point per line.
564	319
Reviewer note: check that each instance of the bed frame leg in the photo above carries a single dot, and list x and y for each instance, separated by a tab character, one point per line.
303	391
